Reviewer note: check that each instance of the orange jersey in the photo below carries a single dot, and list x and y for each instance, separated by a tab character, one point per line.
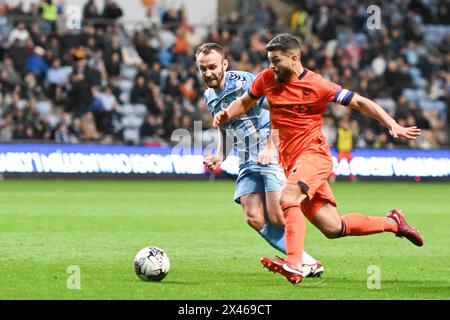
296	109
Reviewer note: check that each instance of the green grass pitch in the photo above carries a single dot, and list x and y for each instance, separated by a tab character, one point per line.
47	226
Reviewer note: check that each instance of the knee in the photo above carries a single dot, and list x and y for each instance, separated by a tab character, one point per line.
287	198
291	195
332	231
254	220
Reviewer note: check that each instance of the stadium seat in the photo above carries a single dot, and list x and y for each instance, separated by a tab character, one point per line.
125	85
44	107
125	97
128	72
131	135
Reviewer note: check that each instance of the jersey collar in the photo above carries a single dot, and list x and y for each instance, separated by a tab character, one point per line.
303	74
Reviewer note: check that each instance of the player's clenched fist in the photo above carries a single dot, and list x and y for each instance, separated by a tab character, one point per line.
212	162
221	118
265	156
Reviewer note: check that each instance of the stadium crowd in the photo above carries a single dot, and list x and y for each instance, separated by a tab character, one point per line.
106	83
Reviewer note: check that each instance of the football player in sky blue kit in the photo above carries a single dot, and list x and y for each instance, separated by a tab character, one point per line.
260	179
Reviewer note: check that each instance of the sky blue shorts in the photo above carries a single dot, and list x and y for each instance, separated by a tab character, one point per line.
254	178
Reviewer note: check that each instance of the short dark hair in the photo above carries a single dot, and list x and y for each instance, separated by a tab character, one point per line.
206	48
284	42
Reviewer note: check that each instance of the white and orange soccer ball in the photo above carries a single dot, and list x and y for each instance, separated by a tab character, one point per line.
151	264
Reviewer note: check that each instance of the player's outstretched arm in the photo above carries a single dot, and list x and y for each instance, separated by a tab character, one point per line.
234	110
376	112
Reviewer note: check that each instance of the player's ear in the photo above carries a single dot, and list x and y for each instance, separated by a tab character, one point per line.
225	64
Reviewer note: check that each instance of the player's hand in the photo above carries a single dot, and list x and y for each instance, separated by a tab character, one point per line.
212	162
221	118
408	133
265	156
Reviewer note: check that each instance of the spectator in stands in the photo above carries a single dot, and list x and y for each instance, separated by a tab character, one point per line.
382	141
188	90
104	109
62	133
201	114
49	13
443	12
153	19
89	130
75	130
36	63
151	131
329	130
396	65
111	11
20	132
6	128
181	48
300	24
368	141
156	74
172	85
265	16
11	75
172	18
56	79
130	55
19	35
396	77
233	22
344	143
244	63
112	65
90	11
81	83
73	127
113	46
148	49
140	92
40	129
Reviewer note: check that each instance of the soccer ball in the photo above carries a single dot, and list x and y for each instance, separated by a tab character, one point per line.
151	264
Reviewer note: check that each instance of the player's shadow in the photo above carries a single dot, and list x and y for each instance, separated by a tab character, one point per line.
269	279
165	282
190	283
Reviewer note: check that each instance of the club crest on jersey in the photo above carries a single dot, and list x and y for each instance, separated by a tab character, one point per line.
225	104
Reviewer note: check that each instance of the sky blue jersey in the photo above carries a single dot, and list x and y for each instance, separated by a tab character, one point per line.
250	131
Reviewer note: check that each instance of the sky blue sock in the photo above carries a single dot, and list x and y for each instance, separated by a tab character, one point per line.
275	236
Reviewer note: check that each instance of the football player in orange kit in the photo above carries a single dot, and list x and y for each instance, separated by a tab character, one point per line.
297	98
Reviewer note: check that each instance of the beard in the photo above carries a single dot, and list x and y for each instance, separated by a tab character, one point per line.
283	75
215	80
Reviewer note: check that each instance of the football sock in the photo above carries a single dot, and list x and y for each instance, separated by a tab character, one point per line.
356	224
307	259
275	236
295	232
